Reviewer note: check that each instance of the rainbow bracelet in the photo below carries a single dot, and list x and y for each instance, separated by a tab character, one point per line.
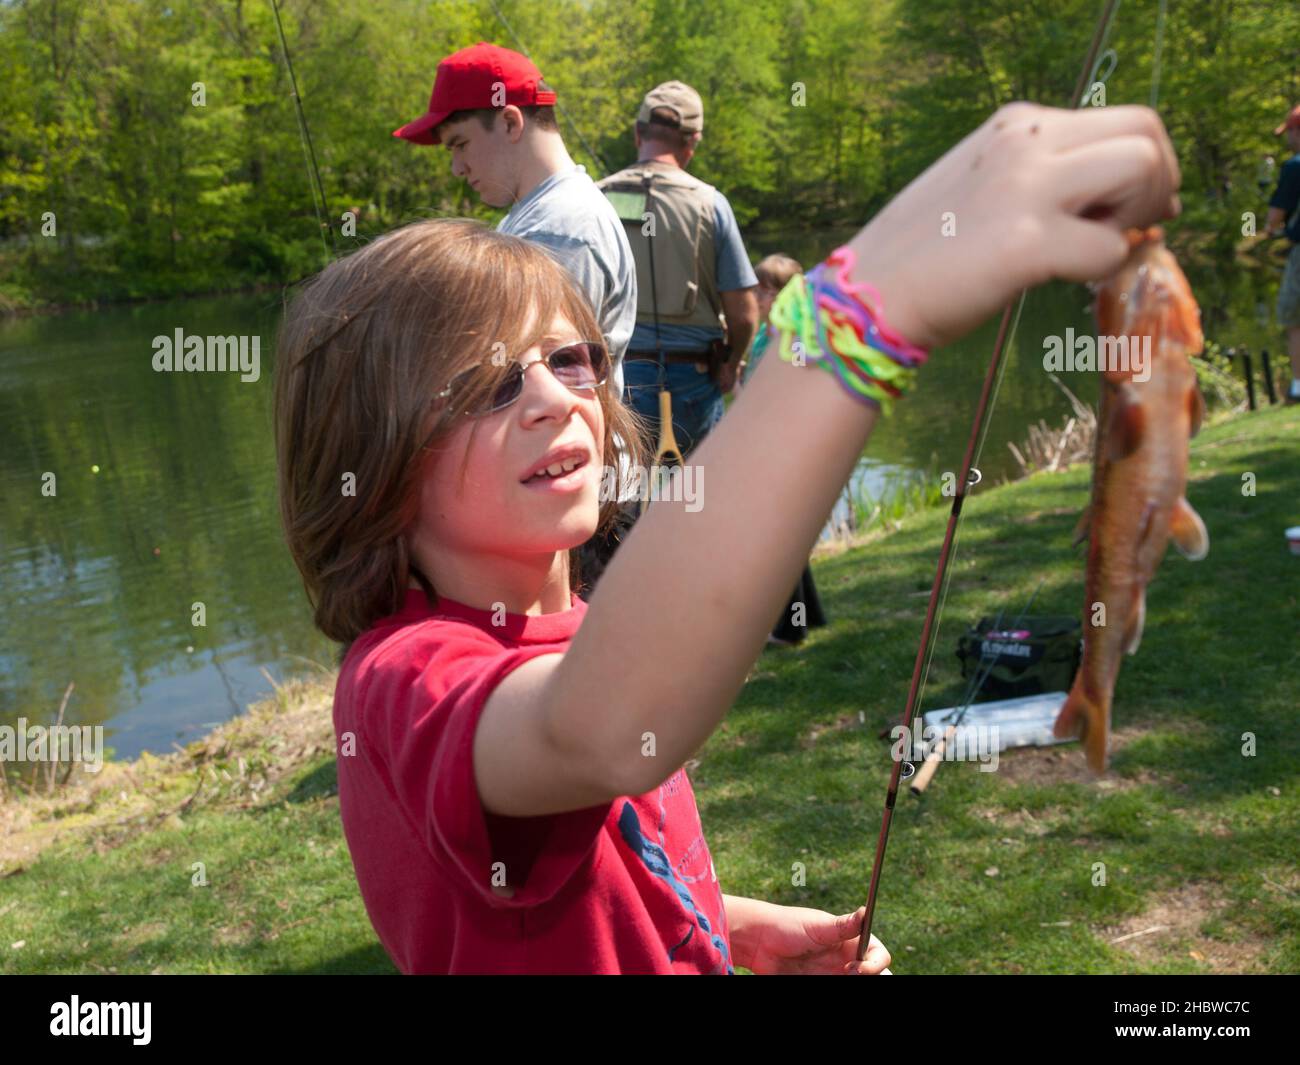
827	319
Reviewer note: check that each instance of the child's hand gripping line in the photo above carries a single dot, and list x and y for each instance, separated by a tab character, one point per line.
773	940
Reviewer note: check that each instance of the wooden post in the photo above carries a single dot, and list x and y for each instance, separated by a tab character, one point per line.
1269	385
1249	375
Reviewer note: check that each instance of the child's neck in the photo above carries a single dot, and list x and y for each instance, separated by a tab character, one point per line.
514	588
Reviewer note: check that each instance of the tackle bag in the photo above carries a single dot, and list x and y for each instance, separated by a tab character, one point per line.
1025	657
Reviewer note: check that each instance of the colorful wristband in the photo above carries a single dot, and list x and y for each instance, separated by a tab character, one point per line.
827	319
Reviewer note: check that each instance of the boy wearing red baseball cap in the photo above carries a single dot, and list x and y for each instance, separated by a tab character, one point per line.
493	111
1284	216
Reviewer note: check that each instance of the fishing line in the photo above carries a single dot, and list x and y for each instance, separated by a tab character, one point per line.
924	650
988	661
1155	62
318	202
595	157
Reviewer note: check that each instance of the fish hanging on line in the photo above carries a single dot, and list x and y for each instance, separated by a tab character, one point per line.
1150	409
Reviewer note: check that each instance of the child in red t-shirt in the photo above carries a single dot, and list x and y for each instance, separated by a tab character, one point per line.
510	758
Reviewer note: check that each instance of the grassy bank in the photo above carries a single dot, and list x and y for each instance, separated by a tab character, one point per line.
991	872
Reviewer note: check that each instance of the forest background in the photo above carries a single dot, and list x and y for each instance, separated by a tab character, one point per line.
151	148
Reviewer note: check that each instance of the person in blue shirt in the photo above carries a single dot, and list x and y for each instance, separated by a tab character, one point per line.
695	285
1284	217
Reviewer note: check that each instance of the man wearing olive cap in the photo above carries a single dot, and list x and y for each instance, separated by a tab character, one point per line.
695	285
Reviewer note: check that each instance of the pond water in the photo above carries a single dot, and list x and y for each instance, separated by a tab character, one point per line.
163	497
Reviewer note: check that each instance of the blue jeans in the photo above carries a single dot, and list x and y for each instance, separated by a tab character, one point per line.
697	401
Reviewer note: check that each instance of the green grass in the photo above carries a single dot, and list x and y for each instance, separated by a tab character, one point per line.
279	897
1188	829
122	891
1197	840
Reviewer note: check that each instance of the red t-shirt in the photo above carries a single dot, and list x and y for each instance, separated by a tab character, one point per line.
625	887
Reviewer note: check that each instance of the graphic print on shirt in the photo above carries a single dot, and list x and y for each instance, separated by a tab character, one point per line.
656	860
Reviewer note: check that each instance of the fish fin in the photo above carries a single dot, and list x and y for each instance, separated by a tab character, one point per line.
1072	720
1188	531
1195	409
1084	526
1125	426
1136	622
1185	318
1082	717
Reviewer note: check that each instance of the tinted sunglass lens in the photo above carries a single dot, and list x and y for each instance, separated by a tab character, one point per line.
508	390
583	365
462	387
579	365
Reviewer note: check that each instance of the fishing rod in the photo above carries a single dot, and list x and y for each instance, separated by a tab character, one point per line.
970	476
667	446
595	156
930	758
956	717
318	201
1093	60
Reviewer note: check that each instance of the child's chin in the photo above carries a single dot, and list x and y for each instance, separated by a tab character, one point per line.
573	530
579	531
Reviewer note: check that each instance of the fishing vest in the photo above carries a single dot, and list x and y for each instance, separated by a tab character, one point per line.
685	282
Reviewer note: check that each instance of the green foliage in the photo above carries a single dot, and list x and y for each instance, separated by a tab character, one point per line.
1219	379
816	113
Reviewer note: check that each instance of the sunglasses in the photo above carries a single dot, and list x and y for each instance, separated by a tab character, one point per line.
583	366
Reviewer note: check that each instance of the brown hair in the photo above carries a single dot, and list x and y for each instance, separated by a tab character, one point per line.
542	114
363	349
777	271
664	128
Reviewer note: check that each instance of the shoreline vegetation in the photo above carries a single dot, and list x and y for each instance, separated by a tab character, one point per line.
147	865
1202	248
13	308
156	151
868	516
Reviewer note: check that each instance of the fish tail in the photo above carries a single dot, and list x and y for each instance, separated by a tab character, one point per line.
1084	717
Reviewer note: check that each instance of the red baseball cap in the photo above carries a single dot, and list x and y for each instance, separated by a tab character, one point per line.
1292	120
473	78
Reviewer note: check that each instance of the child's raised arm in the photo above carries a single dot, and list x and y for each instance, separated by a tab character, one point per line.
683	610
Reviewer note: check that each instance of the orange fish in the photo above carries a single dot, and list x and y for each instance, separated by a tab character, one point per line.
1150	408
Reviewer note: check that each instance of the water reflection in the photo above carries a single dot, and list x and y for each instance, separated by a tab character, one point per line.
163	496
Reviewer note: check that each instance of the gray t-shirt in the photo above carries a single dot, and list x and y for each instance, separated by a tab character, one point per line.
570	217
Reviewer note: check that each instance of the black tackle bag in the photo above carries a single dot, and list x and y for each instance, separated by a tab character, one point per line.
1023	657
